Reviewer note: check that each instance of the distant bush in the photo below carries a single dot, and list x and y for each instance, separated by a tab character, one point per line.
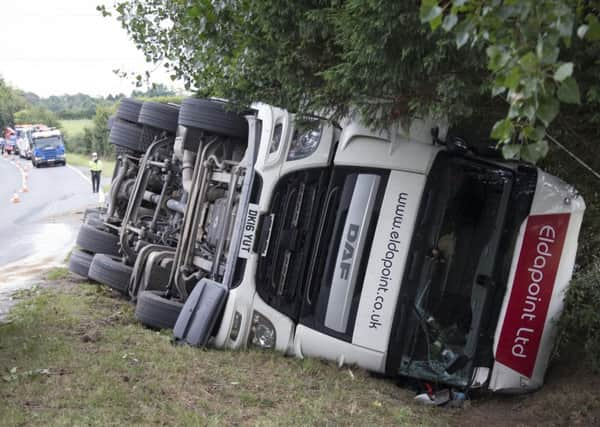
76	143
580	323
35	115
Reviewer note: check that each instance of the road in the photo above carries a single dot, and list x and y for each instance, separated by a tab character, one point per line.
43	225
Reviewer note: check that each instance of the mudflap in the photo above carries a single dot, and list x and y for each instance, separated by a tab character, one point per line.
200	312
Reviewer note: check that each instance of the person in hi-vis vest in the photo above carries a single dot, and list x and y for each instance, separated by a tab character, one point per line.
96	170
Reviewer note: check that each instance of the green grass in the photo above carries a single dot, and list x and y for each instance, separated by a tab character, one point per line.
83	160
75	127
73	355
57	273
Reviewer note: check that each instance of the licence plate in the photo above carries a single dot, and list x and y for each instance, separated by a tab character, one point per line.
249	231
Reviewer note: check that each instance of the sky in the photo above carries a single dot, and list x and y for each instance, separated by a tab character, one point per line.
56	47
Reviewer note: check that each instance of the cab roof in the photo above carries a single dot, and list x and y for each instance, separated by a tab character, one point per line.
46	134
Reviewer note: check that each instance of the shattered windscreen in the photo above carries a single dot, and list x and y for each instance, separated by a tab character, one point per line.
456	243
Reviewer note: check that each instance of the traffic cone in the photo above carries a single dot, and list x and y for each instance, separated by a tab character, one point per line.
15	198
24	188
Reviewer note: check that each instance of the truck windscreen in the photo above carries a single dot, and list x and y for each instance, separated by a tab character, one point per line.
453	268
51	141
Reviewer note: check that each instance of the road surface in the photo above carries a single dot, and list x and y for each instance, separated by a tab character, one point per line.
39	231
43	220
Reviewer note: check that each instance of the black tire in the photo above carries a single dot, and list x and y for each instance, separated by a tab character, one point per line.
129	109
97	241
95	212
94	221
110	271
79	262
125	134
212	117
159	116
155	311
123	151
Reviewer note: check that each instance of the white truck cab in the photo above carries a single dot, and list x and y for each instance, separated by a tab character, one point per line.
385	250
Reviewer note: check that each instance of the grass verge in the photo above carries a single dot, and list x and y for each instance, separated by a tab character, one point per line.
57	273
83	160
73	355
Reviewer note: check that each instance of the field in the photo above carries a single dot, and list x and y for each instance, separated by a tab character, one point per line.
75	127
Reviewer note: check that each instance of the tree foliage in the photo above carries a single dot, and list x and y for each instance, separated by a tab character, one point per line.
309	55
95	138
10	103
156	90
37	114
540	54
512	62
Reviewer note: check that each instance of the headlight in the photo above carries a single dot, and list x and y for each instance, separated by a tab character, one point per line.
262	332
306	140
61	155
276	139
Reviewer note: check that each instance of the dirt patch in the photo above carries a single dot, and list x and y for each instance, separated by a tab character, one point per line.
569	397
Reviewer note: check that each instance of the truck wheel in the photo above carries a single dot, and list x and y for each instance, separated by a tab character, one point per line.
110	271
212	116
96	212
129	110
125	134
97	241
94	221
123	151
79	262
156	311
159	116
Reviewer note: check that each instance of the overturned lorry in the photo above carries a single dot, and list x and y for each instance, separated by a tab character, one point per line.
389	250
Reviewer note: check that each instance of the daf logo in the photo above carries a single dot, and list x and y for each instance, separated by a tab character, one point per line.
348	250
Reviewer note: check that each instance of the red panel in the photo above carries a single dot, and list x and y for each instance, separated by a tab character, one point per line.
531	292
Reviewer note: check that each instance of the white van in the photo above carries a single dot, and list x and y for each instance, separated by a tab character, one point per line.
24	141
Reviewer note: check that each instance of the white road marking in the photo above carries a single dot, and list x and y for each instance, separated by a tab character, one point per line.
89	181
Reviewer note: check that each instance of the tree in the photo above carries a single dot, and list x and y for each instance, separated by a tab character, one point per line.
154	91
310	55
35	115
10	103
95	139
535	50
